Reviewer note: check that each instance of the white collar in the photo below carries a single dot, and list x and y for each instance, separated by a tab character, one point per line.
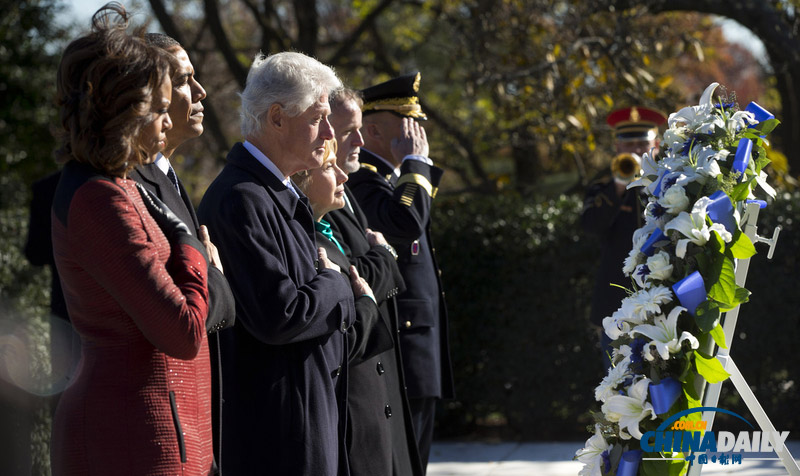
270	165
162	163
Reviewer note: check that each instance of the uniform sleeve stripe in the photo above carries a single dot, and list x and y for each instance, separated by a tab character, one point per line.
418	179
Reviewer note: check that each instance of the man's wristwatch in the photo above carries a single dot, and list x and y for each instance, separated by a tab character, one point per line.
389	248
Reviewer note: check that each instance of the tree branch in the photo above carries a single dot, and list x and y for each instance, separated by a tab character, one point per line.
238	71
351	40
211	120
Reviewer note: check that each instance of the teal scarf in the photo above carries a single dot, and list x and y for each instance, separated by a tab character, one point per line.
325	228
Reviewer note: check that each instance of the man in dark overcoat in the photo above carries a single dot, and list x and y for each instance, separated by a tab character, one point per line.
285	362
612	213
380	431
186	112
395	187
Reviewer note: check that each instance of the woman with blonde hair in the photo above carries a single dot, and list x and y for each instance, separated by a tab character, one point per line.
134	278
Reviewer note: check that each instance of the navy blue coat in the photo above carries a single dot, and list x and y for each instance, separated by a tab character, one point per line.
613	220
285	361
400	209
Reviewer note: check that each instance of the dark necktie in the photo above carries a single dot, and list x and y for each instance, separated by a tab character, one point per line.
173	178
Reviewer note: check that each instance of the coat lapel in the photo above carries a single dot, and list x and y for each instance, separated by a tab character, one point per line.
292	207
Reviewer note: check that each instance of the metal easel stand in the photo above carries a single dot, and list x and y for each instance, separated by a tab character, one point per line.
711	397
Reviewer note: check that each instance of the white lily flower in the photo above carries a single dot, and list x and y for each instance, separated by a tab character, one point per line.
650	168
592	455
675	138
740	120
629	410
675	160
664	335
694	227
616	325
761	179
712	123
615	376
641	235
659	266
694	116
707	164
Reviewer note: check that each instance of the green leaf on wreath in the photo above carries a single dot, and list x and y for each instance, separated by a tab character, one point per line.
715	242
710	368
742	246
741	296
740	191
707	315
723	278
718	334
691	391
767	126
762	162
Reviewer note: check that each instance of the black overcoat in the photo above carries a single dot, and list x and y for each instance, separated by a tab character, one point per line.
400	209
285	361
612	219
381	432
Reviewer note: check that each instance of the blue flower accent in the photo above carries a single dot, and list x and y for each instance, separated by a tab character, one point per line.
657	211
724	105
637	346
687	146
606	461
643	271
669	182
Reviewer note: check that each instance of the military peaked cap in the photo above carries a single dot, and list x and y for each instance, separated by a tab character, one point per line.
397	95
635	123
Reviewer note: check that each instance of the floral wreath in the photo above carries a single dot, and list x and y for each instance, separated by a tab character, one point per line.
682	271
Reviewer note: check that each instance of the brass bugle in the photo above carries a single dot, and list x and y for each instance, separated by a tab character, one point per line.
625	167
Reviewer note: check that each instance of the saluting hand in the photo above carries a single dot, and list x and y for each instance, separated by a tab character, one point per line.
412	140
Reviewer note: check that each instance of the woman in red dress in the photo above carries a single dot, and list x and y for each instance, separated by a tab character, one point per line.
134	278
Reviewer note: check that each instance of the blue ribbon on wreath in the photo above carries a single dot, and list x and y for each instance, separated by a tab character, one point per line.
664	394
629	463
691	291
720	210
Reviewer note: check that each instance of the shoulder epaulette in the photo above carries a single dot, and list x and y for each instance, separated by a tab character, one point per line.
369	167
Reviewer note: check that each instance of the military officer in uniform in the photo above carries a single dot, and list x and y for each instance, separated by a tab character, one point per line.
612	213
395	186
380	437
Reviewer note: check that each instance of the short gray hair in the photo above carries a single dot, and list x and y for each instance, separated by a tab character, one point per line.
293	80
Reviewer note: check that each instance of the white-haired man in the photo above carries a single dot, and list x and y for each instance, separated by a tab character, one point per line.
285	365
